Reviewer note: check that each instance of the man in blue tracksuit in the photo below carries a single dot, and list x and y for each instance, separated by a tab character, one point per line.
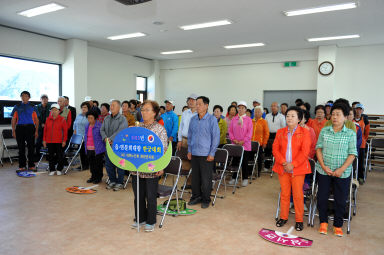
171	123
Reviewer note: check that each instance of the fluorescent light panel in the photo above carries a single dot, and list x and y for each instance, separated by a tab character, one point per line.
41	10
244	45
176	52
333	38
207	24
329	8
126	36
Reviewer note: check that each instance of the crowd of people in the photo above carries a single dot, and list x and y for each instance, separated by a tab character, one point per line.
333	138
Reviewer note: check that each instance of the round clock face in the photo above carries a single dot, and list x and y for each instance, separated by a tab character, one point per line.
326	68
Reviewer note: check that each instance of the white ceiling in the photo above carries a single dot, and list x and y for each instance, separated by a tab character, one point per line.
254	21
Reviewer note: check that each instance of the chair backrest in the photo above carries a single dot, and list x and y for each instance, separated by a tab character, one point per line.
234	150
377	142
7	134
182	153
76	139
255	146
174	166
313	165
221	156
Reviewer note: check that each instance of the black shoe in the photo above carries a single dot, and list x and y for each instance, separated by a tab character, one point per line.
188	186
299	226
96	182
194	201
90	180
204	205
281	223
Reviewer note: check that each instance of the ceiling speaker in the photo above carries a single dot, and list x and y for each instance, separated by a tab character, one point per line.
132	2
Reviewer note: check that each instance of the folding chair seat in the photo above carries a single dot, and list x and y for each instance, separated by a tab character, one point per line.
186	170
173	168
9	143
221	160
255	146
72	151
234	152
348	215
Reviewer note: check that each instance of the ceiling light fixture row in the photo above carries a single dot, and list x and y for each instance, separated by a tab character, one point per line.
51	7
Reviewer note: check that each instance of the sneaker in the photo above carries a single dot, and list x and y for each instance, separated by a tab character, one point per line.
232	182
111	185
58	172
244	183
52	173
134	225
338	232
118	187
149	228
21	169
323	228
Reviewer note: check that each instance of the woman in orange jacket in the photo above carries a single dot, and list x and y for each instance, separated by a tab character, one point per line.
291	149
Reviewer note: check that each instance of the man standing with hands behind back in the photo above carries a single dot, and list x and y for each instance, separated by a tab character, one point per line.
203	139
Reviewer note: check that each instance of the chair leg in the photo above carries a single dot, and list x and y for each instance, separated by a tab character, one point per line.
278	207
126	182
237	178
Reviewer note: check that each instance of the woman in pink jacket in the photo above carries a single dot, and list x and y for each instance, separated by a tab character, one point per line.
240	133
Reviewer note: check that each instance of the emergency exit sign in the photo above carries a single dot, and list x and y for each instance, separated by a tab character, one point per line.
290	64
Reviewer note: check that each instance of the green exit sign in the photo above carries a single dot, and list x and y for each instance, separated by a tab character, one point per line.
289	64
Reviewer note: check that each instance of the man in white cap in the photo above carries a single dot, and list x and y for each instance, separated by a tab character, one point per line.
171	123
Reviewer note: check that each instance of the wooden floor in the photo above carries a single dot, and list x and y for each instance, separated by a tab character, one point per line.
37	216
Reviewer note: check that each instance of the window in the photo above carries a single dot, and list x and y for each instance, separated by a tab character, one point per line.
141	88
36	77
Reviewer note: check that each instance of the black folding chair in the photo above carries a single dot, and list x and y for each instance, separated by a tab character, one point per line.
72	151
255	148
234	151
221	160
43	152
183	155
9	143
173	168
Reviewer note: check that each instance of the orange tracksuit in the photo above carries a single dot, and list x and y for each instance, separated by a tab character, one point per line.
300	144
260	131
364	130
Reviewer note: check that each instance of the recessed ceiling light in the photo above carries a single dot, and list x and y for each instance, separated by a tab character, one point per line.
207	24
126	36
244	45
329	8
41	10
176	52
333	38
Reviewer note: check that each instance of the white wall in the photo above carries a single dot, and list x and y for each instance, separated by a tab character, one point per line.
113	75
360	76
225	79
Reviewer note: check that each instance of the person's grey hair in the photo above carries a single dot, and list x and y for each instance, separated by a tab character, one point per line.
117	101
259	107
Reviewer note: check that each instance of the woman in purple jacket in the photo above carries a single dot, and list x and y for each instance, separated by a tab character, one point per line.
95	147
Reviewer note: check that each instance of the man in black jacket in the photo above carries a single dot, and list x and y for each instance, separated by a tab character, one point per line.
73	114
42	111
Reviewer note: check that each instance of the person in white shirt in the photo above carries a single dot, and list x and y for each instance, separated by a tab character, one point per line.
275	121
184	123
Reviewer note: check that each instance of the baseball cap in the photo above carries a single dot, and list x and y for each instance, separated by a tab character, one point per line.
55	106
193	96
243	103
169	101
87	98
359	106
329	104
44	95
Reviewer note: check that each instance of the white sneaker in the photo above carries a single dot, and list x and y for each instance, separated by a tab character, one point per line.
52	173
58	172
244	183
232	182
